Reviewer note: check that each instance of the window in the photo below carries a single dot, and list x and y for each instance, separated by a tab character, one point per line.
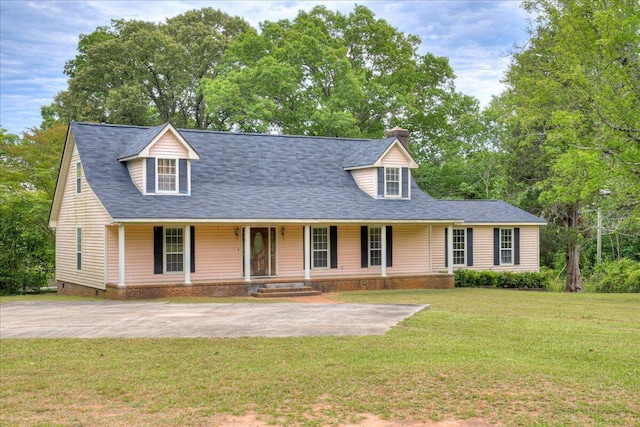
459	246
78	178
173	249
392	182
506	246
78	248
167	175
375	246
320	244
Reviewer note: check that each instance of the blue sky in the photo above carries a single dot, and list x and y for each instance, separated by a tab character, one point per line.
38	37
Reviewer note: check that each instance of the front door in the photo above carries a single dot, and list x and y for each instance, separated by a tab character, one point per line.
259	251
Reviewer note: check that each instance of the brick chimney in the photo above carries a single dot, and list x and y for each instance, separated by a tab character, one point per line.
401	134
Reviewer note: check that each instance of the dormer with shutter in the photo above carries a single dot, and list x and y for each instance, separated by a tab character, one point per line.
382	168
159	161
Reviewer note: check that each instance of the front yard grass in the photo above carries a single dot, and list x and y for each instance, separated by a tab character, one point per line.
507	357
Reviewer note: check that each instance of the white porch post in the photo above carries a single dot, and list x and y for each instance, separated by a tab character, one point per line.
450	249
186	266
383	241
430	251
121	282
307	252
247	254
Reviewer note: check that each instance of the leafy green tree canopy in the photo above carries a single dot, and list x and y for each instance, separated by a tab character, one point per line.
325	73
143	73
573	105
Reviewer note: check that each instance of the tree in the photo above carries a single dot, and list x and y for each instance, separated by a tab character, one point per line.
573	104
28	171
157	80
325	73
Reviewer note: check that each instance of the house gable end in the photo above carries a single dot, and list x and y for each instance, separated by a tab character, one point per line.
144	144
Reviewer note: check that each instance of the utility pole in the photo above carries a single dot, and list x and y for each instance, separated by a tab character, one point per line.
603	193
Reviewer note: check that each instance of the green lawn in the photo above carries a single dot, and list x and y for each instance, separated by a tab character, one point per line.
507	357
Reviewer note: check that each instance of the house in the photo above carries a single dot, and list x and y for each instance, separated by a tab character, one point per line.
145	212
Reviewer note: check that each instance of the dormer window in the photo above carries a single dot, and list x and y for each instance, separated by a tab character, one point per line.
166	175
392	182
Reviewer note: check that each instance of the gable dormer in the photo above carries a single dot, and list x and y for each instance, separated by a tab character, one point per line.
159	161
382	168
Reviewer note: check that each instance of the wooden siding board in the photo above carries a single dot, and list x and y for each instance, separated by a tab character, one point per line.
395	158
135	172
483	249
85	211
366	180
168	146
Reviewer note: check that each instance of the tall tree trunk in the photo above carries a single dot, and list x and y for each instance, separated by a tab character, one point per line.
574	277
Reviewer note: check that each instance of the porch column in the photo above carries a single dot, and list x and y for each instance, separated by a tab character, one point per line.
430	251
307	252
247	254
450	249
186	250
121	282
383	261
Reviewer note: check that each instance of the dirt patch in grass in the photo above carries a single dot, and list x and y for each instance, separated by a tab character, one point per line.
368	420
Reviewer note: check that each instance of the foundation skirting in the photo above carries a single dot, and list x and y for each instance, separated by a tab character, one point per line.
242	288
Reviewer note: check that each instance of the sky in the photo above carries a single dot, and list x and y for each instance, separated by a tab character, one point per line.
38	37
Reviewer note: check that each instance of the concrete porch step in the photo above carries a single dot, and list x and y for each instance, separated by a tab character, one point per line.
285	290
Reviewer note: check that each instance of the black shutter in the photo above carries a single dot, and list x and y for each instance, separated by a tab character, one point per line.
496	246
303	260
183	181
389	246
333	240
469	247
151	175
405	182
157	250
380	182
446	246
364	246
193	248
516	246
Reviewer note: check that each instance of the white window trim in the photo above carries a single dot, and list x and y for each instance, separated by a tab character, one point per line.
177	164
314	251
78	248
369	249
464	242
511	249
78	180
386	194
164	250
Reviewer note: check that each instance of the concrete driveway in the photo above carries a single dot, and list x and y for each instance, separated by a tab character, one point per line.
162	320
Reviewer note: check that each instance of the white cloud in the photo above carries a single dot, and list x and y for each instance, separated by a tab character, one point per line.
38	37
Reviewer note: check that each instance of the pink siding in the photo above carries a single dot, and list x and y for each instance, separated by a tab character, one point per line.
218	253
366	180
167	146
290	257
136	172
410	253
85	211
483	249
112	254
395	157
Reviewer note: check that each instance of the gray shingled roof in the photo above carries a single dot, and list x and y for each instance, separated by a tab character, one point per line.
263	177
366	154
140	141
